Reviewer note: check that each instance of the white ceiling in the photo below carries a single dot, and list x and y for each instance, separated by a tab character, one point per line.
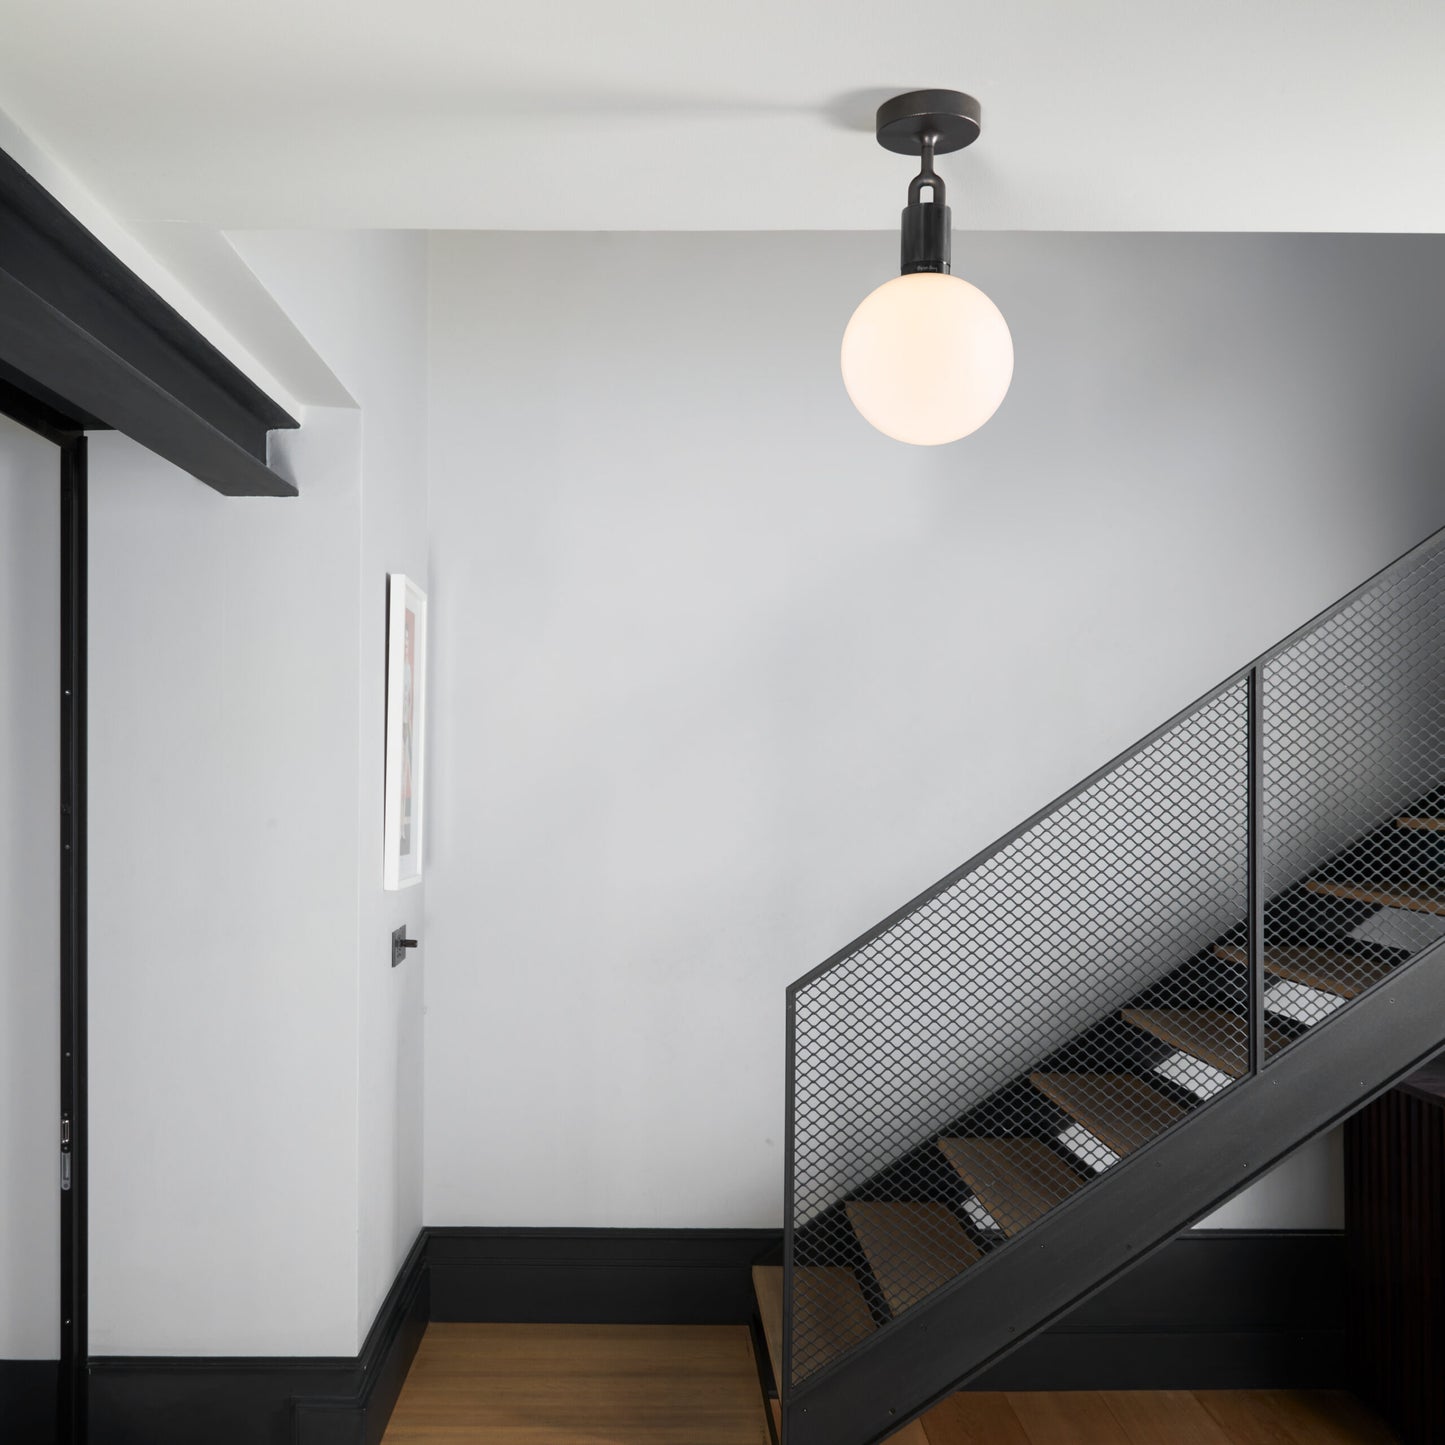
736	114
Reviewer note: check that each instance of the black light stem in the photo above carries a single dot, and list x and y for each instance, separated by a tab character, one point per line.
926	242
927	177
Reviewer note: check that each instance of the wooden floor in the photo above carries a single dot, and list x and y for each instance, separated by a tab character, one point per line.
581	1385
698	1385
1155	1417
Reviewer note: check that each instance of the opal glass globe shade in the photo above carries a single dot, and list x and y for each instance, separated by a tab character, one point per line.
927	358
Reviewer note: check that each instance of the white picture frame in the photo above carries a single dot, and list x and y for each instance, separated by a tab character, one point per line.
405	732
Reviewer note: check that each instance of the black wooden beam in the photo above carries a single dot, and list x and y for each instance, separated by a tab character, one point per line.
20	401
83	335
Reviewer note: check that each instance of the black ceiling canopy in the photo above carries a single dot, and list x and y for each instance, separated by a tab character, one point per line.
82	335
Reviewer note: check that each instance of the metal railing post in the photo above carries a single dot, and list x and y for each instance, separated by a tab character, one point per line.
1254	863
790	1090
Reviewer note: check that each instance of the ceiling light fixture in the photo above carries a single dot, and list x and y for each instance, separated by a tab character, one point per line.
927	358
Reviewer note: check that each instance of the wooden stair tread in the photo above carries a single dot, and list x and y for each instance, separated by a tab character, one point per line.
828	1298
1215	1036
1016	1180
912	1248
1321	968
1416	896
1432	825
1122	1110
768	1291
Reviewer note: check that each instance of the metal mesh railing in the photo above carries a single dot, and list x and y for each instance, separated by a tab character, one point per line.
1354	857
1092	980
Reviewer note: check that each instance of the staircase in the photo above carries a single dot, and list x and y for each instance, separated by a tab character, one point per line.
1086	1038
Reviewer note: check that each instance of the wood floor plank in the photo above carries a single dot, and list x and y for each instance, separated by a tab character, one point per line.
564	1384
829	1301
1420	897
1150	1417
1215	1036
697	1385
1294	1417
1246	1417
1322	968
974	1417
1016	1180
911	1248
1067	1417
1122	1110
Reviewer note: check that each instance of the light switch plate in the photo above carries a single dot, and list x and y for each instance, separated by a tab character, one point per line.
399	945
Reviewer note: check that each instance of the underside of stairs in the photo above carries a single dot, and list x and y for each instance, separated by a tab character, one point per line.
1093	1034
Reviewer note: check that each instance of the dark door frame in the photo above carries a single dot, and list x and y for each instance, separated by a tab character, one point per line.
74	1119
85	344
67	435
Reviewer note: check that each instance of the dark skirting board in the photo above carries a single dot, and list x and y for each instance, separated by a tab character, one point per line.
27	1400
148	1400
1212	1310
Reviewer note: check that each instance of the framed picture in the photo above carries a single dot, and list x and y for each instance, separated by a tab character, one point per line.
405	730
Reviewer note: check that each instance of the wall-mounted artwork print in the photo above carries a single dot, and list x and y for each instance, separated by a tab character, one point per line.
405	730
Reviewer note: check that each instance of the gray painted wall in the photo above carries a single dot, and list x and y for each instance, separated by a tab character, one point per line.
360	297
721	676
256	1073
223	912
29	894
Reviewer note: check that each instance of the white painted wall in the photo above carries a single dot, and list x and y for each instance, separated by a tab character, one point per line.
29	895
361	299
255	1060
721	676
224	656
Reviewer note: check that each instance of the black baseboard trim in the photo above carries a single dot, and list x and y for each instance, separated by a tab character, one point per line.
223	1400
1216	1309
1213	1310
359	1416
1209	1360
151	1400
28	1392
595	1276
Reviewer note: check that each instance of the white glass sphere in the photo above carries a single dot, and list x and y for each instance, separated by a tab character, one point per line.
927	358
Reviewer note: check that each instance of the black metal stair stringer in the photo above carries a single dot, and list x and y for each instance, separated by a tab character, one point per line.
1135	1208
